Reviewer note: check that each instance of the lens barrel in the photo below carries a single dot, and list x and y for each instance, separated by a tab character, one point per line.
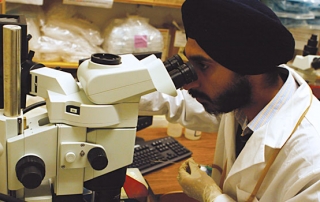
173	62
181	73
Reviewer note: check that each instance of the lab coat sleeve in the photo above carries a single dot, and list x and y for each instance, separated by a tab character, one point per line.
311	189
223	198
181	109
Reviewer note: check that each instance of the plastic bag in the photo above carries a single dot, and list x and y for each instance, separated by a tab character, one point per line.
296	13
68	36
35	19
54	50
131	35
71	30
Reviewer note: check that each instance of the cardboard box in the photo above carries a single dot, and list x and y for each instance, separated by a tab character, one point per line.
166	43
177	42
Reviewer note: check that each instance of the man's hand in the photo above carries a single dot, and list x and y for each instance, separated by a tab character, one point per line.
196	183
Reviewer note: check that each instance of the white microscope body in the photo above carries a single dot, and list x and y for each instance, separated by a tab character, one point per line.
87	130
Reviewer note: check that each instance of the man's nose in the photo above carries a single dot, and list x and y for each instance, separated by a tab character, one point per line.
193	84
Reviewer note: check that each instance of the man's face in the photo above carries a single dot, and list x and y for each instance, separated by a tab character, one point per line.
218	89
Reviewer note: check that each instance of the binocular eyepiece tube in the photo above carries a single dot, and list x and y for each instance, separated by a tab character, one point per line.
181	73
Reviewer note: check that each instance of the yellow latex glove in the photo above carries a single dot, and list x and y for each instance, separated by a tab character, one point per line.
196	183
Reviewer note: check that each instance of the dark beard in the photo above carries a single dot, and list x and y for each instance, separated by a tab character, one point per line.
236	95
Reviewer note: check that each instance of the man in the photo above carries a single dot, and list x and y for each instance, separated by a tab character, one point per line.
267	118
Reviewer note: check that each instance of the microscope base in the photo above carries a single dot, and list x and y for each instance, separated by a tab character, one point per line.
68	198
107	187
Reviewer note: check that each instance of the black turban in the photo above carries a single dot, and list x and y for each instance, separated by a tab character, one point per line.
244	36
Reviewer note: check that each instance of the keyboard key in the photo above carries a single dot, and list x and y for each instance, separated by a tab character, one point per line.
155	154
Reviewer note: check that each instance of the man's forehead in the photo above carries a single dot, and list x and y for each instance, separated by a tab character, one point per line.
194	52
192	47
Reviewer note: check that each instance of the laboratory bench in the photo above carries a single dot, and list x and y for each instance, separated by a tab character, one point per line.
164	180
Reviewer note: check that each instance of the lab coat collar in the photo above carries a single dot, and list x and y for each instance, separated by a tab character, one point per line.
230	128
275	133
279	129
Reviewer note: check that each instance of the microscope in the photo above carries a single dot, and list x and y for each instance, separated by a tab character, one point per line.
84	138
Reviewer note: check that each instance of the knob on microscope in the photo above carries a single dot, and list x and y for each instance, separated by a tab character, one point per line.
97	158
30	171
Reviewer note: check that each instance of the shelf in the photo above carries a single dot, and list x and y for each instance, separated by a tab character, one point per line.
164	3
160	3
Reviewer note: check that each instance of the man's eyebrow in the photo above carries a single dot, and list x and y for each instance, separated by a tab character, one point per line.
199	58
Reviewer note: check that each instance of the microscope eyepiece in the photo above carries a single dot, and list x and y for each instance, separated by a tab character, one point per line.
106	59
181	73
173	62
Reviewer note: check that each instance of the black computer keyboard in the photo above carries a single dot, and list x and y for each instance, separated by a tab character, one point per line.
154	154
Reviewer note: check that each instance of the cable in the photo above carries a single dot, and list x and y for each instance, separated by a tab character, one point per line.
33	106
8	198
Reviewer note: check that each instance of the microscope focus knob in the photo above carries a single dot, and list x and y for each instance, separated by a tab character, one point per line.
30	171
97	158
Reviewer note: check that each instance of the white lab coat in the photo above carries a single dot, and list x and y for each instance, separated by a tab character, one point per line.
295	174
182	109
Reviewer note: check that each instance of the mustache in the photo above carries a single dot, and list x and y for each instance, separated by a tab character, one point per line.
197	94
